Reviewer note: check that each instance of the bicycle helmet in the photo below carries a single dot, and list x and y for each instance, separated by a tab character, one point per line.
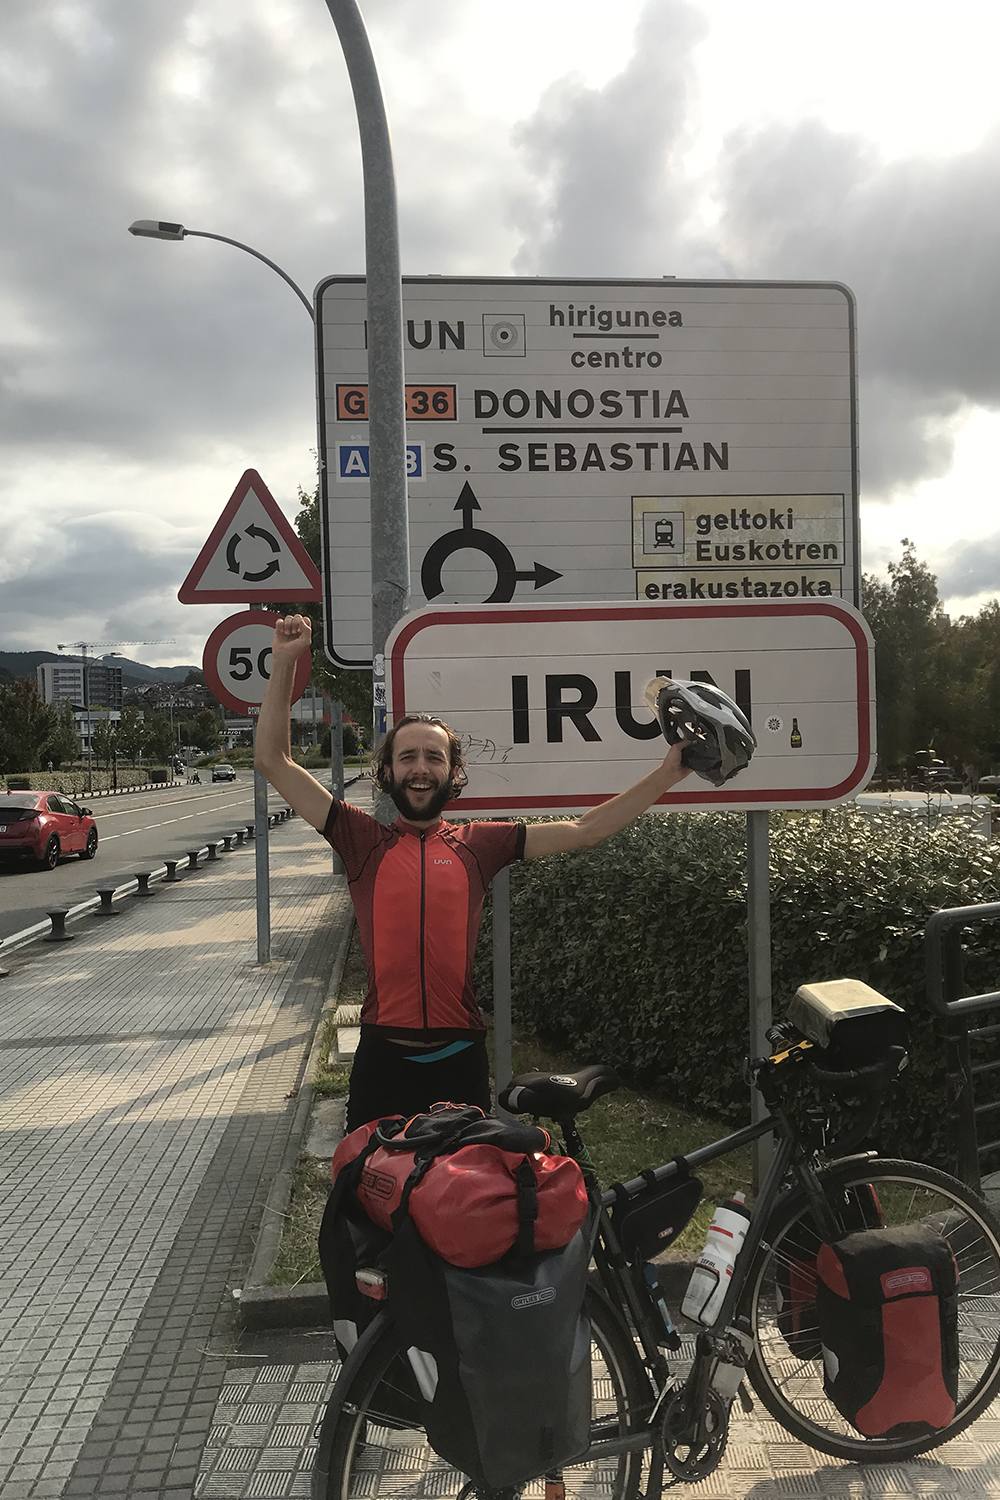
721	740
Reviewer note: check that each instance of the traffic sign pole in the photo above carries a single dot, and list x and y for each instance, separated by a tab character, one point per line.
759	957
390	540
262	863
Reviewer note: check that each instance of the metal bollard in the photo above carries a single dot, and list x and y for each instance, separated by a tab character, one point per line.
105	909
272	818
249	832
239	836
227	841
193	857
171	874
143	879
58	919
289	812
3	972
213	850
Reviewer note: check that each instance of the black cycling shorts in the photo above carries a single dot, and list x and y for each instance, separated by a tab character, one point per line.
389	1078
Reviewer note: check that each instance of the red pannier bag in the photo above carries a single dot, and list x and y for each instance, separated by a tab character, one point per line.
887	1307
475	1187
855	1208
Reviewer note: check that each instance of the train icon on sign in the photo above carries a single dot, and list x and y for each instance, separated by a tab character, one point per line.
353	462
662	531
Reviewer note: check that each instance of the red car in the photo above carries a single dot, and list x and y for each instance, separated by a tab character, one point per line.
44	825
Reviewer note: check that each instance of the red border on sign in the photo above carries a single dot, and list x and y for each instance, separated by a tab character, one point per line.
191	592
680	799
210	656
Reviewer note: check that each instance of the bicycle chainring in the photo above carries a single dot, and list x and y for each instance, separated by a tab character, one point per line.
693	1442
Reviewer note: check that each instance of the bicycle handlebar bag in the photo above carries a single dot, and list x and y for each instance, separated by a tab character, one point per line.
887	1307
852	1023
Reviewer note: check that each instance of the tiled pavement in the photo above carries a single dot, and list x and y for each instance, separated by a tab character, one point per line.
262	1442
147	1075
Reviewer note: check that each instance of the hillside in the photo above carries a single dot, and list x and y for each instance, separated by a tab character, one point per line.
25	664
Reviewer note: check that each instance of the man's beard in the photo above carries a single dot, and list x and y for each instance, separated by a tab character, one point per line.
401	798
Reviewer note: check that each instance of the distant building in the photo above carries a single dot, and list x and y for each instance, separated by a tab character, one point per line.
62	681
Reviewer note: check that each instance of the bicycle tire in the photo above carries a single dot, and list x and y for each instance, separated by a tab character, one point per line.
361	1452
791	1387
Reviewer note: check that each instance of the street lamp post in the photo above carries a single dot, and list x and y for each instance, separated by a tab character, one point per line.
159	229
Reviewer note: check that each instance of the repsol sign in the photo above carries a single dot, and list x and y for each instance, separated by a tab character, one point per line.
569	698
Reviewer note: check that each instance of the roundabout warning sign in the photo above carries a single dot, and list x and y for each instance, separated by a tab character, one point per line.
654	441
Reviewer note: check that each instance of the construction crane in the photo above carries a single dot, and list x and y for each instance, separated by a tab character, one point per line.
83	647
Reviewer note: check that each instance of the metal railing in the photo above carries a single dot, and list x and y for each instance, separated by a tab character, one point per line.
947	997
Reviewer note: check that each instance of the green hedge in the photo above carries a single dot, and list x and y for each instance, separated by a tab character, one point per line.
634	953
73	781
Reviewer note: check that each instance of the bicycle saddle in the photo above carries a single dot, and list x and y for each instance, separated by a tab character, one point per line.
560	1096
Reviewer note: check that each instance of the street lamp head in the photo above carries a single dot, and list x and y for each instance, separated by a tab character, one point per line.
156	229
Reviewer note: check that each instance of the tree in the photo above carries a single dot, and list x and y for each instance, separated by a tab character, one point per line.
65	742
27	725
910	631
159	744
131	735
195	678
104	741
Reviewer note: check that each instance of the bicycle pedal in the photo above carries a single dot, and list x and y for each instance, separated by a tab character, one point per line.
746	1400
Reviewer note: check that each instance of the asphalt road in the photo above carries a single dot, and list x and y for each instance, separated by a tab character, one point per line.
137	832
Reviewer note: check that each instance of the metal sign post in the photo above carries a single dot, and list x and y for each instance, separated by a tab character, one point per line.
389	537
759	954
262	867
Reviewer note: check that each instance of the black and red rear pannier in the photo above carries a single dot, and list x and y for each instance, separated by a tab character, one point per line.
887	1305
484	1237
795	1277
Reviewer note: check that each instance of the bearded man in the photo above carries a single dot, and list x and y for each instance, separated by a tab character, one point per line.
418	887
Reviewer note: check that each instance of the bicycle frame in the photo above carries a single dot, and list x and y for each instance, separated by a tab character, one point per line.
622	1288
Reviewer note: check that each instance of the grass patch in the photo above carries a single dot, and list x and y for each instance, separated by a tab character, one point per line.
628	1130
298	1254
332	1077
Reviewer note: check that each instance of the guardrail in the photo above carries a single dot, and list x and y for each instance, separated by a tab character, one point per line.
137	884
947	997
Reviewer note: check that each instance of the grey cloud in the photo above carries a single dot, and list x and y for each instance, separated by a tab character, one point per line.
970	568
601	156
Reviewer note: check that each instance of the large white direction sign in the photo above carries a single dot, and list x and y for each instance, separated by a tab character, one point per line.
661	441
548	699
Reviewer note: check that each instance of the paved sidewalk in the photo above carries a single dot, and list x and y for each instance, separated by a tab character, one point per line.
146	1071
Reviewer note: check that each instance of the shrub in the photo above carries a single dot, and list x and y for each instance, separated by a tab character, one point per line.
635	953
73	780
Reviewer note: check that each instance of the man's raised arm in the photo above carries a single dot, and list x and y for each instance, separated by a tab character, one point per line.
609	817
273	754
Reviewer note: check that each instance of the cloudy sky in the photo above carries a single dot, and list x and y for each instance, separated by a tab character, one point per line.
856	141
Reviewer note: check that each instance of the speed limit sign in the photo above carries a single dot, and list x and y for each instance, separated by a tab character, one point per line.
237	662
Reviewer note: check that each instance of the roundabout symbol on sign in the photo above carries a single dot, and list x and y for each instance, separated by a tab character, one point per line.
467	538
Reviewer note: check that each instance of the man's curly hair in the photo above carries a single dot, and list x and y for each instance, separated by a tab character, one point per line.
382	759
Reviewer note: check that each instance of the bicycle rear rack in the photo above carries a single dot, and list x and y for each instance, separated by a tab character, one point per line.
947	997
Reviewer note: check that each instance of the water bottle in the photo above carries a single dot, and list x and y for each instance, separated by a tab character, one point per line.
710	1278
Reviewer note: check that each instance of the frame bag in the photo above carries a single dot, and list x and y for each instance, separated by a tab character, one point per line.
887	1305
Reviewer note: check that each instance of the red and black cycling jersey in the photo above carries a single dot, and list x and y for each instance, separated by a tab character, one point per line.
418	896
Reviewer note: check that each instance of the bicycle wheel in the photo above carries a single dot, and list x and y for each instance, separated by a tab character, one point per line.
791	1385
370	1457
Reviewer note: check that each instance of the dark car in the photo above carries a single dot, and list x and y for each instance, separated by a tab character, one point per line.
42	826
223	773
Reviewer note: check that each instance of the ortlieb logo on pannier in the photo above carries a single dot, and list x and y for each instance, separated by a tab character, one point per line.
887	1306
535	1299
